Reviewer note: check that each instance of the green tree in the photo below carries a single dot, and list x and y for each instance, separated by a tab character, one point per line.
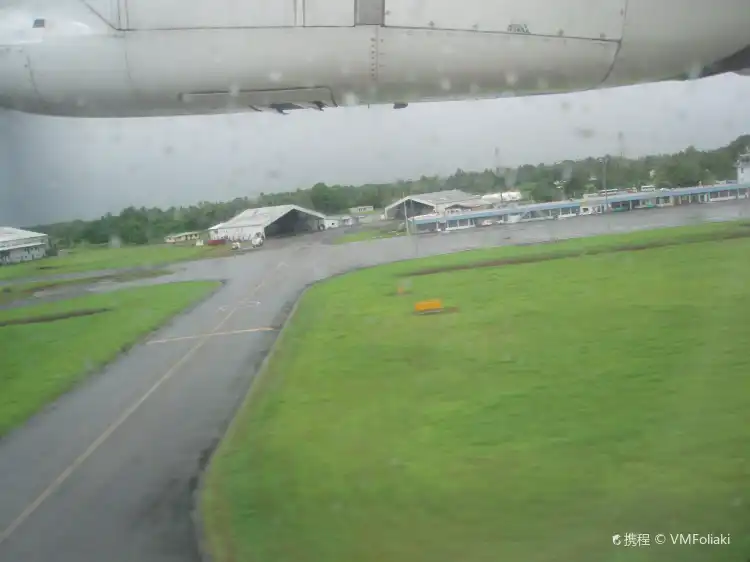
686	168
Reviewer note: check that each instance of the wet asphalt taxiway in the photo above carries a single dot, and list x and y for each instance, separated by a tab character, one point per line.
108	471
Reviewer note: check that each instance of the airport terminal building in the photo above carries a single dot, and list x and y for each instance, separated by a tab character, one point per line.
451	219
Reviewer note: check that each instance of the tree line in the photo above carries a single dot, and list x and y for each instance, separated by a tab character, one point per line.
544	182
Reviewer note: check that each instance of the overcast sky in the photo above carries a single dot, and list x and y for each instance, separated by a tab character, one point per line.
55	169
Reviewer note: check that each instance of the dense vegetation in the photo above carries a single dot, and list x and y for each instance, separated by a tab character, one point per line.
541	183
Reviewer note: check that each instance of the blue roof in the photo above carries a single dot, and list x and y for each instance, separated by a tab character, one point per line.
560	205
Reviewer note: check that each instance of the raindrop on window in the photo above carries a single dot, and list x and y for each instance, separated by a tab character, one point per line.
275	76
234	90
511	78
445	84
567	171
695	70
621	142
350	99
511	177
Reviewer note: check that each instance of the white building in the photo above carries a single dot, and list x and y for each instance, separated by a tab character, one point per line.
182	237
440	202
335	221
283	219
18	245
743	168
503	197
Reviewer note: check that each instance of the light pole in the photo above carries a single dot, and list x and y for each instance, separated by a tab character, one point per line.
406	216
604	183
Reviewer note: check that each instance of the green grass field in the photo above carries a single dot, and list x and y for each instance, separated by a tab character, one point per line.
20	291
93	259
566	401
368	234
41	361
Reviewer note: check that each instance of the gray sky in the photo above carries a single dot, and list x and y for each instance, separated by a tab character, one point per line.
55	169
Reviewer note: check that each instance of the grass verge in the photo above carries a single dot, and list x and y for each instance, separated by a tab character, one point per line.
368	234
93	259
567	401
21	291
40	361
571	247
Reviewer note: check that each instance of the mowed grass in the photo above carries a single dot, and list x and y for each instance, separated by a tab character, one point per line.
566	401
368	234
578	246
40	361
93	259
21	291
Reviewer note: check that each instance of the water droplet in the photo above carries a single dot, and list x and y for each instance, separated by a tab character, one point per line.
350	99
695	70
234	90
445	84
275	76
565	105
474	88
511	78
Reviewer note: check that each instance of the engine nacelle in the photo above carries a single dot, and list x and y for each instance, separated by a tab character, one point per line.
130	58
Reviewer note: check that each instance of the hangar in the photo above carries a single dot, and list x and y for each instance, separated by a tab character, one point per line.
282	220
448	201
18	245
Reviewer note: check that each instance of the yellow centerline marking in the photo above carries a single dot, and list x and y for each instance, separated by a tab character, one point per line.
213	335
91	449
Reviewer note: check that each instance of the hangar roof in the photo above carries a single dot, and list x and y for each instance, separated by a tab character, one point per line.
264	216
435	198
12	238
445	197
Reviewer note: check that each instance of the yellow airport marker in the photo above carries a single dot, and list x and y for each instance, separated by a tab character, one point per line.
428	306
